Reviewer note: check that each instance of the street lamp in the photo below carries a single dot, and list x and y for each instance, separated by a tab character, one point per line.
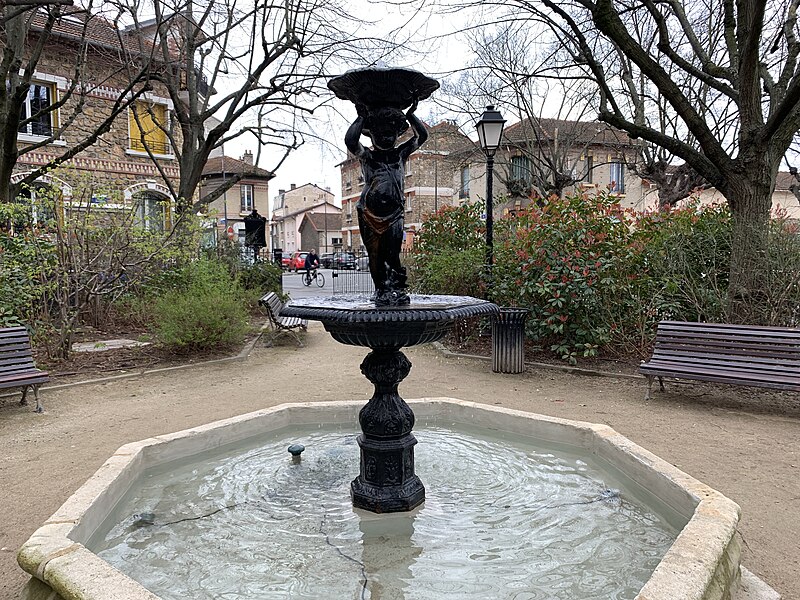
490	130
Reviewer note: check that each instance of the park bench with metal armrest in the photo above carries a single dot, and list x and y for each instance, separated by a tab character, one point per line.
16	364
273	305
722	353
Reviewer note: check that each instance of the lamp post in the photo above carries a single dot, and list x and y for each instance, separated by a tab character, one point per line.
490	130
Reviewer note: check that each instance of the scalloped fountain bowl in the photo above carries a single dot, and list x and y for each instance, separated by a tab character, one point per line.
521	530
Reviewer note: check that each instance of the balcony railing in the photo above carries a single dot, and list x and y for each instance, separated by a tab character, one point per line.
156	147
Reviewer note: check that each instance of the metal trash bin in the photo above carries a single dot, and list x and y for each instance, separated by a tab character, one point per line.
508	340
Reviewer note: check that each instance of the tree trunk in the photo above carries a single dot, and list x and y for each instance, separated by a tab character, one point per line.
750	199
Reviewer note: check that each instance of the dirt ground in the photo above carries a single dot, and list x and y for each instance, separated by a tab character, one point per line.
743	442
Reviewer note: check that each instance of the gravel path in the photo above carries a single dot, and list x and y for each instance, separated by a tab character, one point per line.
720	435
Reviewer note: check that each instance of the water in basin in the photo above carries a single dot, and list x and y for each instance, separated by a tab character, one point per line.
504	518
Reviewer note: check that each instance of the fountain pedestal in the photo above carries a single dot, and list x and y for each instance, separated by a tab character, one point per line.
387	481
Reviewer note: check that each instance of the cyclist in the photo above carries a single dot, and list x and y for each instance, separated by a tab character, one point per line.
312	262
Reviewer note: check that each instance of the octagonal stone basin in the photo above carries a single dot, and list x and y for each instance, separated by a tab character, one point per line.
702	563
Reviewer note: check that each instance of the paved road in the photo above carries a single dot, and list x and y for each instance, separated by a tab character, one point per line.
293	285
349	281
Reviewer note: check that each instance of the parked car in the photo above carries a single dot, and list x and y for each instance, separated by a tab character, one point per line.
298	262
286	261
344	260
326	260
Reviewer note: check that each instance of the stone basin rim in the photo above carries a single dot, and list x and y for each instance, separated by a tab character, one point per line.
703	560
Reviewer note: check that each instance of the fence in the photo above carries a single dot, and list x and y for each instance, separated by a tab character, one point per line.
359	281
352	282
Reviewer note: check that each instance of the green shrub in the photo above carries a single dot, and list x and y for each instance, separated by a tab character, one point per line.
687	252
449	252
207	312
260	277
456	272
27	265
559	261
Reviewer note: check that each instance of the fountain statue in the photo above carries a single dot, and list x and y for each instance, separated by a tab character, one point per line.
392	318
380	95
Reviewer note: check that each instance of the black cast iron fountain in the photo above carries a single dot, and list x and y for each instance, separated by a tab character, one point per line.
391	319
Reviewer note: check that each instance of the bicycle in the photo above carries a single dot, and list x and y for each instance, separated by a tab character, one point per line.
315	275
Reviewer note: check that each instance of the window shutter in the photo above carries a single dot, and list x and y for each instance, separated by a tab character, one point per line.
135	131
154	137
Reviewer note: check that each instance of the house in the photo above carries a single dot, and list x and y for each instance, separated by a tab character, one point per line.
595	157
431	181
249	193
289	208
322	231
119	161
785	201
544	156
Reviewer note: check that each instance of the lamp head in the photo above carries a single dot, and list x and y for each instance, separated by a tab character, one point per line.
490	130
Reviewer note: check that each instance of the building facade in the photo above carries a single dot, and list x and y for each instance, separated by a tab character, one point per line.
117	172
321	231
250	193
535	159
290	207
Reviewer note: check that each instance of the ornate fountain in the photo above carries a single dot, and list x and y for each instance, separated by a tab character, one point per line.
245	498
391	319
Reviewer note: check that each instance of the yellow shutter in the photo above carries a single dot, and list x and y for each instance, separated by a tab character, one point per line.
135	131
53	99
154	136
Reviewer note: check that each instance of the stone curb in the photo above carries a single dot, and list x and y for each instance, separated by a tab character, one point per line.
565	368
243	355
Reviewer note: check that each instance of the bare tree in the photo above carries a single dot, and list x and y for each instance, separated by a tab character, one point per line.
554	131
242	67
36	112
726	77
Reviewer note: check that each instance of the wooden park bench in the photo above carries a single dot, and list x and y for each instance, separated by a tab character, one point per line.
273	305
737	354
16	364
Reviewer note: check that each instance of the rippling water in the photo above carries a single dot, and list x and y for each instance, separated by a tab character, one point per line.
503	519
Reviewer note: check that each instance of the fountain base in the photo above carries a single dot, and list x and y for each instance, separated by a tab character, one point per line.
387	482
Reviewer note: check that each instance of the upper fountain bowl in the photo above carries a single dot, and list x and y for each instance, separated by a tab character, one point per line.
355	320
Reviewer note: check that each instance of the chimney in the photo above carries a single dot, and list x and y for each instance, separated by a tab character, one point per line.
281	192
247	157
292	186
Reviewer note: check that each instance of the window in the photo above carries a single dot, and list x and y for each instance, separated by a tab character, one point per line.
407	166
464	192
150	211
246	192
350	211
348	180
409	206
617	177
41	202
589	168
521	169
145	121
40	97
